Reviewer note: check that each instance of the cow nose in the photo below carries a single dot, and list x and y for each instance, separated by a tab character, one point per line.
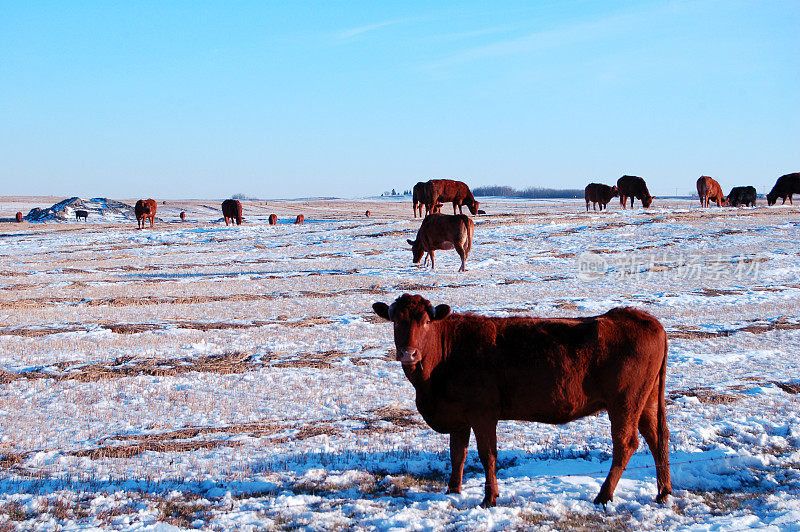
407	356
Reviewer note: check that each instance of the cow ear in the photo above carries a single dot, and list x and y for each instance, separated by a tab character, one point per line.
382	310
441	311
410	241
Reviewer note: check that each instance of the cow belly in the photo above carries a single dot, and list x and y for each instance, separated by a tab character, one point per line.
446	245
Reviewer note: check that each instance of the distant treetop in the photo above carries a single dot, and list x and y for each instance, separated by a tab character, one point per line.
530	192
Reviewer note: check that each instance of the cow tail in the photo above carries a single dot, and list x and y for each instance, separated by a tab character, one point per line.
470	231
663	434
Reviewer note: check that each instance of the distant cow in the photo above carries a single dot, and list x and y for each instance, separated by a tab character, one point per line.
273	219
18	217
444	231
367	214
631	186
449	190
145	209
599	193
785	186
709	190
471	371
81	214
742	196
300	219
232	211
183	216
419	197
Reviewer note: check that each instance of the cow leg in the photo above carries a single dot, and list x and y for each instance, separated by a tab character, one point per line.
463	255
790	200
625	440
486	437
653	427
459	440
430	254
587	206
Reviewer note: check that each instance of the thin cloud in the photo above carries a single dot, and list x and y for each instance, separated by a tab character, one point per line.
552	38
354	32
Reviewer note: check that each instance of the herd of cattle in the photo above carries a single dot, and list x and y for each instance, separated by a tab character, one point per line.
145	209
708	190
471	371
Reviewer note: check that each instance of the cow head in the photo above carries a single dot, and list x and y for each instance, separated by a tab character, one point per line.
614	191
416	250
473	208
772	198
647	201
411	316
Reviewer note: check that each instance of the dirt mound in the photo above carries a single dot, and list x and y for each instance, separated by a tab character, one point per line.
99	209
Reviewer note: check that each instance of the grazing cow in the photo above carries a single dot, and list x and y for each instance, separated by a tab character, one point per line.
631	186
145	209
443	231
448	190
709	190
183	216
419	197
785	186
367	214
599	193
471	371
18	217
232	210
300	219
273	219
742	196
436	209
81	214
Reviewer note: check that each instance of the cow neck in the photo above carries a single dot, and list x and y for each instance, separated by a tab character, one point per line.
435	352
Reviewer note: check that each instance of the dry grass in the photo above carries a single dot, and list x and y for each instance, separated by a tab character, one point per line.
707	395
230	362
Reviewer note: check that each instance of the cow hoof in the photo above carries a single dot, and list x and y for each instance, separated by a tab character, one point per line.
663	496
603	499
455	491
489	502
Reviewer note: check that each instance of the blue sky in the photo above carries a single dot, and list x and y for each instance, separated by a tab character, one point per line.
294	99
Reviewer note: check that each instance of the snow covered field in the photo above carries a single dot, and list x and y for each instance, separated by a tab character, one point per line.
198	375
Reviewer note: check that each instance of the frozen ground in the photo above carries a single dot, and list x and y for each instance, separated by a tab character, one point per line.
198	375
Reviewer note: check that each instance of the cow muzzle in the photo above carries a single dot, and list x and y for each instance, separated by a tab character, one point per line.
408	357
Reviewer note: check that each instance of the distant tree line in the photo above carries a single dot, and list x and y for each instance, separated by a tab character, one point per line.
530	192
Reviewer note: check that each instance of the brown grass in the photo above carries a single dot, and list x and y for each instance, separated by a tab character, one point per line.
230	362
689	333
707	395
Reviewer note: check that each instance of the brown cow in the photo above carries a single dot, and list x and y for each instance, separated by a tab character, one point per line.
709	190
785	186
599	193
300	219
81	214
367	214
145	209
183	216
419	197
232	210
18	217
273	219
448	190
631	186
443	231
470	371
